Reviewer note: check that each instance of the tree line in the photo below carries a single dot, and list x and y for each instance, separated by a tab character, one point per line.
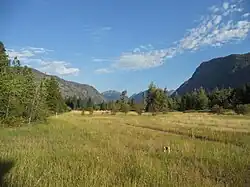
156	100
22	99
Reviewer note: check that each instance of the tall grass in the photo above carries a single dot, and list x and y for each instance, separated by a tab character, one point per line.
104	150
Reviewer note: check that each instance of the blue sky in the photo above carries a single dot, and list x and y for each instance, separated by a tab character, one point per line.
115	44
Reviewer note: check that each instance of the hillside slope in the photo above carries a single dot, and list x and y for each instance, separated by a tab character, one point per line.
69	88
112	95
139	97
230	71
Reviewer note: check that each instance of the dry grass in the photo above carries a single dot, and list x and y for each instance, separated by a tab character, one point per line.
104	150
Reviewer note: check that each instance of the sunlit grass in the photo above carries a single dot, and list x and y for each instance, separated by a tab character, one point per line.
105	150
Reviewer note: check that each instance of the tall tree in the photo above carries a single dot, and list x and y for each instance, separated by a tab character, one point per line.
123	96
202	100
156	100
54	99
90	103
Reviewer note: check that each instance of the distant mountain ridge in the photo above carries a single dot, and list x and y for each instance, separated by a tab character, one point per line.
70	88
230	71
138	98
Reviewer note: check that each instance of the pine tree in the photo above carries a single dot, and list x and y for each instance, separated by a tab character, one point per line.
90	103
123	96
103	106
202	100
157	100
54	99
125	108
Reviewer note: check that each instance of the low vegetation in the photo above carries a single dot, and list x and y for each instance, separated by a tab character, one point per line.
127	150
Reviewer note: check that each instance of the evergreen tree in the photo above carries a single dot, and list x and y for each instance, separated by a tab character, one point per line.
132	104
103	106
123	96
202	100
157	100
54	99
90	103
125	108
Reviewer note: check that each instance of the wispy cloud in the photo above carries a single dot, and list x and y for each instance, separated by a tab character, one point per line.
223	24
101	59
103	71
246	15
97	33
33	56
27	52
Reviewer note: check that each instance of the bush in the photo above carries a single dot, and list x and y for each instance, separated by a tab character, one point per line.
216	109
164	112
243	109
91	110
125	108
12	121
113	112
114	109
139	109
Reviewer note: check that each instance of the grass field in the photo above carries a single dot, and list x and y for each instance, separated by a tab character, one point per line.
105	150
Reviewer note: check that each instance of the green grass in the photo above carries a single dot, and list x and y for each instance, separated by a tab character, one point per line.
104	150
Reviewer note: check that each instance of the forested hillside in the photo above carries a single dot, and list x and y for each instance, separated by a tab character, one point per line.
230	71
71	89
22	100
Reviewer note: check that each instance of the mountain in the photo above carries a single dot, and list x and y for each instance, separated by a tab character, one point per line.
112	95
69	88
139	97
230	71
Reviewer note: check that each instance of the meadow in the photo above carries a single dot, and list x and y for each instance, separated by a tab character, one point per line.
127	150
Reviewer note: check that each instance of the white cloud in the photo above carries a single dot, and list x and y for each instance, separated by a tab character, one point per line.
27	52
214	9
100	60
103	70
225	5
246	15
217	19
32	56
222	26
143	60
38	50
59	67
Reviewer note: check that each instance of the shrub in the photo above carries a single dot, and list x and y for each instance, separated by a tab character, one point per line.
139	109
242	109
125	108
216	109
83	112
113	112
165	112
91	110
12	121
114	109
